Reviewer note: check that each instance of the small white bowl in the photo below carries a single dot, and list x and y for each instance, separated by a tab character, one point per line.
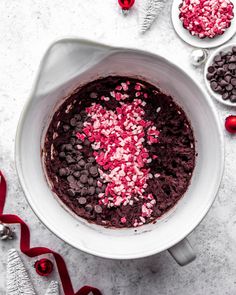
194	40
217	96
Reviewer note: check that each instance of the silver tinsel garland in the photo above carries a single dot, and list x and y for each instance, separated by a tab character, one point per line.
18	281
150	10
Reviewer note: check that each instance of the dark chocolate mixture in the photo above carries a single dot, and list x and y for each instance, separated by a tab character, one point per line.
74	173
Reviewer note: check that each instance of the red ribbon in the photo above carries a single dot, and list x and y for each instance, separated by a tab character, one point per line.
32	252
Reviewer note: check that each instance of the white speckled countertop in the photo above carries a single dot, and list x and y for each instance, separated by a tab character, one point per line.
27	28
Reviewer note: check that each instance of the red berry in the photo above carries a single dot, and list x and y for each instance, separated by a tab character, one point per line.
230	124
126	4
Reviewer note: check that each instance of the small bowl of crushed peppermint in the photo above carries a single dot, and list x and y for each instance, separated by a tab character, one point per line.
204	23
220	74
206	18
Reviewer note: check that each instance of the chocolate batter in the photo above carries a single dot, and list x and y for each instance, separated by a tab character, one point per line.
71	164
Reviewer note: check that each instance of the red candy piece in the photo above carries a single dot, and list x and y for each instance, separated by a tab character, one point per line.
126	4
230	124
43	267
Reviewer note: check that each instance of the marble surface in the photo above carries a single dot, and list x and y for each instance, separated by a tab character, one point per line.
27	28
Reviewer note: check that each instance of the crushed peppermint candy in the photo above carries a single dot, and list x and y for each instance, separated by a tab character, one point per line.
206	18
117	139
123	219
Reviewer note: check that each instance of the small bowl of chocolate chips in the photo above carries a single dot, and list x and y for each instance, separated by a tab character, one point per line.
220	74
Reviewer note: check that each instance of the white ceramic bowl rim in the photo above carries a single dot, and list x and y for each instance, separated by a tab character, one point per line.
183	234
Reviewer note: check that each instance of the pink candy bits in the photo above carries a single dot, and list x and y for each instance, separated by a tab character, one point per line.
206	18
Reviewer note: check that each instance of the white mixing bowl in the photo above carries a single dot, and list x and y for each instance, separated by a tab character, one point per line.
69	63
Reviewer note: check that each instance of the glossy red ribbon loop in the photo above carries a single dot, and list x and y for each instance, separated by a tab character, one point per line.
32	252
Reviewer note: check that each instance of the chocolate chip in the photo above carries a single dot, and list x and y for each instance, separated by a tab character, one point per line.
225	67
77	117
73	122
98	190
63	147
223	83
233	98
82	200
91	190
69	159
220	71
88	165
225	95
232	66
83	178
232	59
80	185
68	147
210	76
72	140
217	58
219	89
95	182
211	69
91	160
89	208
103	188
83	114
71	192
62	155
79	125
74	186
227	78
78	167
81	163
79	157
98	209
220	63
63	172
84	191
93	95
229	87
90	181
233	81
213	85
85	172
66	127
87	142
93	170
71	178
76	174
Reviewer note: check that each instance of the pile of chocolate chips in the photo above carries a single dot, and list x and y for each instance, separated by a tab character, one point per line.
222	74
77	166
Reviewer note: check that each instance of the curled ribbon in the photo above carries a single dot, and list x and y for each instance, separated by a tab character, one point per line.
32	252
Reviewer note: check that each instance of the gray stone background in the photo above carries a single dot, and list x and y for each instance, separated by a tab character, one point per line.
27	28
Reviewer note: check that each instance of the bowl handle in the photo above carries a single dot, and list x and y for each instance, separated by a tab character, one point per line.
182	252
66	59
